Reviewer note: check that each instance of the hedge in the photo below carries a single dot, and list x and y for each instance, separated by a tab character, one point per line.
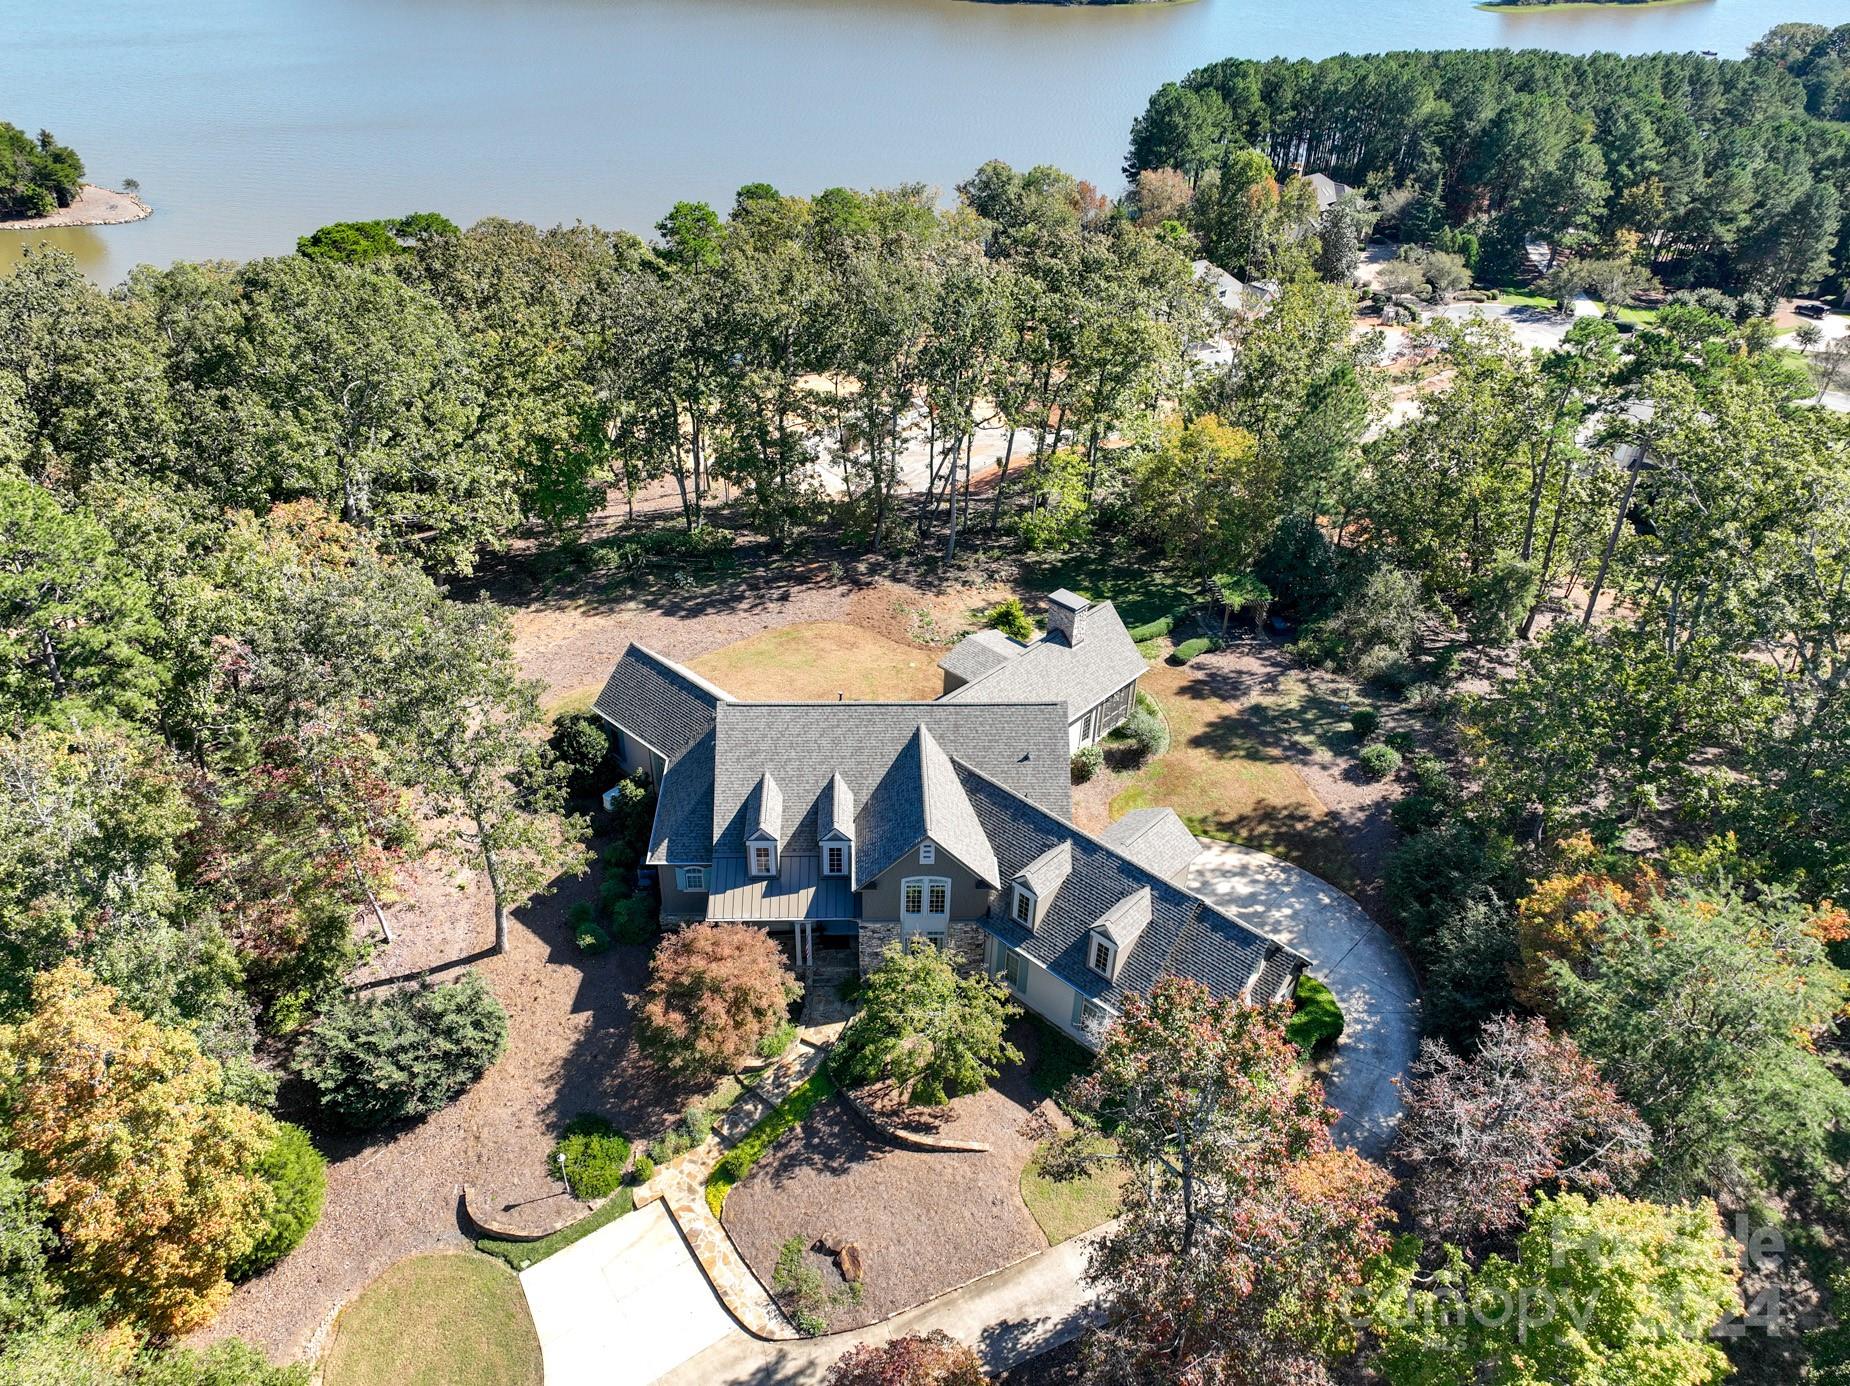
1188	649
1161	626
1317	1019
520	1255
788	1114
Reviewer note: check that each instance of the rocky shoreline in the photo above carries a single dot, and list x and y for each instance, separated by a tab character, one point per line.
93	206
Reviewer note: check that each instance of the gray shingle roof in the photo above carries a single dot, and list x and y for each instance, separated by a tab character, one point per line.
799	890
1155	838
1185	936
658	702
980	652
949	820
683	828
1046	872
836	808
1022	745
1125	921
767	813
1050	670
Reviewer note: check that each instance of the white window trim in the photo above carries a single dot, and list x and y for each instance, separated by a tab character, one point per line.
924	921
928	854
1098	941
752	849
1023	895
847	858
694	879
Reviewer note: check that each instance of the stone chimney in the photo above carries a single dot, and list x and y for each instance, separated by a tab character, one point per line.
1066	616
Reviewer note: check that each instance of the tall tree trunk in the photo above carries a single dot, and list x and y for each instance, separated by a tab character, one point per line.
995	503
1618	525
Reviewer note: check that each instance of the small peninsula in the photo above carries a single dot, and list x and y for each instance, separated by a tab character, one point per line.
41	185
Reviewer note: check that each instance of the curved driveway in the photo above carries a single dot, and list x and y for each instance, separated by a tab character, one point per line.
1353	956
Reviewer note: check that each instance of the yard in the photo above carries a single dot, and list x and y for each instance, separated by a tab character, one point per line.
1241	723
1066	1207
815	660
434	1320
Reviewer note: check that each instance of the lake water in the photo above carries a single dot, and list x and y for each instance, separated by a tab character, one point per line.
248	122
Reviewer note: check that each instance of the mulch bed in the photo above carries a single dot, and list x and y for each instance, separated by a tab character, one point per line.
925	1222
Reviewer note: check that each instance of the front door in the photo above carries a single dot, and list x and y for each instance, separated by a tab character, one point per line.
924	908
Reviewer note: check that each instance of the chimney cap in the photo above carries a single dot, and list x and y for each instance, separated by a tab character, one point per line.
1071	600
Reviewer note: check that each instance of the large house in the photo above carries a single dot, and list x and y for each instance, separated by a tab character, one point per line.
851	825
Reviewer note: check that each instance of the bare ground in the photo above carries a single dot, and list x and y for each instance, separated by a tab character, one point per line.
93	206
925	1222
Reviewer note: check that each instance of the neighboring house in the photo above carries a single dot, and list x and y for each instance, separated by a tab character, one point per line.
849	825
1326	190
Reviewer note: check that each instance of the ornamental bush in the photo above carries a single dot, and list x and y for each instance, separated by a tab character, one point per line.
581	742
403	1054
717	990
590	1156
1153	630
1148	732
1087	762
1188	649
1364	722
1316	1019
1012	619
1379	760
298	1180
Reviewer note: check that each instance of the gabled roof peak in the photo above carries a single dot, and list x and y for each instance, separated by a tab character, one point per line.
1125	921
768	809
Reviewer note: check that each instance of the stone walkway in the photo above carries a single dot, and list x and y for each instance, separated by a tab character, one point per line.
682	1189
1353	956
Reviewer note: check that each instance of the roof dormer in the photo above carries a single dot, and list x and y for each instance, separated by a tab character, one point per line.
766	838
1036	884
1117	932
835	828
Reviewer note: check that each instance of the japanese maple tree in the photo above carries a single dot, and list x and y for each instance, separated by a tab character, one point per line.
715	992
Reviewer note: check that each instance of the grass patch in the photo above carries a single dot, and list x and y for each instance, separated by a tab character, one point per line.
1064	1209
815	660
1316	1019
434	1320
520	1255
1228	771
787	1115
1142	594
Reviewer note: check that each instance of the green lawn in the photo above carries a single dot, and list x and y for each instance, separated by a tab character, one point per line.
520	1255
1228	769
1065	1209
1140	593
1519	298
435	1321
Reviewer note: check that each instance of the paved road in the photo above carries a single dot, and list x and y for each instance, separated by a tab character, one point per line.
1353	956
1008	1316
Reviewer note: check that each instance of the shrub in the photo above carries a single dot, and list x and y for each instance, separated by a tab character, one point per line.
698	1123
643	1170
590	1156
588	933
1011	619
404	1054
1087	762
1316	1019
716	991
1148	732
1152	630
1434	777
633	921
934	1031
800	1289
1379	760
298	1180
773	1045
581	742
1417	812
1428	699
1188	649
930	1359
1429	877
1364	722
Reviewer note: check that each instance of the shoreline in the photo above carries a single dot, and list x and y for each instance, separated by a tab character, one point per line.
93	206
1490	7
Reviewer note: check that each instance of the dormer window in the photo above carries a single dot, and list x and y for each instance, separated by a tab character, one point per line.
1024	907
928	853
835	859
764	859
1103	957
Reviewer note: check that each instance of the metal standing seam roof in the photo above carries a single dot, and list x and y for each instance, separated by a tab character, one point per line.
1156	838
658	701
1185	936
798	891
1050	670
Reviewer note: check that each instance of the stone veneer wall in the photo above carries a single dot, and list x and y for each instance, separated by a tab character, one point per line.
964	940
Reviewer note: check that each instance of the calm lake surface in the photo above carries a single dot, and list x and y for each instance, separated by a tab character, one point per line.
249	122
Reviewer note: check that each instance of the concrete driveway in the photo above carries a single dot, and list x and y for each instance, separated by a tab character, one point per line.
1353	956
624	1306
